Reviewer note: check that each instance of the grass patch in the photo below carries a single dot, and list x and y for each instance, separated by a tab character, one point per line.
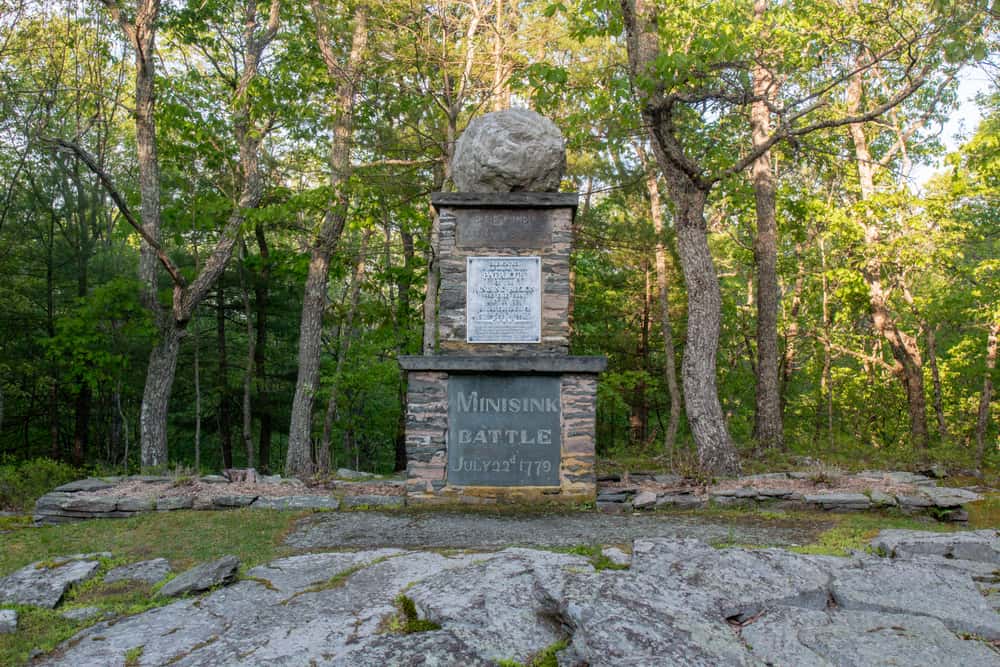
182	537
544	658
593	553
406	621
37	630
133	655
985	513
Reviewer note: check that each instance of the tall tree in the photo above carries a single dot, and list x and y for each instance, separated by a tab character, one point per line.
345	71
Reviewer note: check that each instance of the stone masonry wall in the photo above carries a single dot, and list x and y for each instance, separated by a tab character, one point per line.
555	287
427	453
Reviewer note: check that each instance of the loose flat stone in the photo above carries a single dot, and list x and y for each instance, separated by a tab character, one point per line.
347	473
880	499
373	501
766	476
912	501
170	503
943	496
214	479
81	613
148	571
900	587
91	504
644	500
667	478
150	479
43	584
89	484
901	477
8	621
681	500
133	504
615	496
733	493
981	545
233	501
297	503
770	494
202	577
851	501
616	556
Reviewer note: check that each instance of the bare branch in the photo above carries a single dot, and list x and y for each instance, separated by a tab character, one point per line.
119	201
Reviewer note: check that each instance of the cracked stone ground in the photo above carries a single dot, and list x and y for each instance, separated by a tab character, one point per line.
679	602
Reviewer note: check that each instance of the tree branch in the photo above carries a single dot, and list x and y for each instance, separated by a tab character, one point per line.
109	186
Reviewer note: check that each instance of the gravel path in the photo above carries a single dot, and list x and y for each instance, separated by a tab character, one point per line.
439	529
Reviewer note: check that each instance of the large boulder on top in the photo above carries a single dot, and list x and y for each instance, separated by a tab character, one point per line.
509	151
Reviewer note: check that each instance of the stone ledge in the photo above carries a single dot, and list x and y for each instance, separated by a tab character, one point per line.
504	364
504	200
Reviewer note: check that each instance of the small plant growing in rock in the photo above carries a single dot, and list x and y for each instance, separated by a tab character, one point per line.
406	621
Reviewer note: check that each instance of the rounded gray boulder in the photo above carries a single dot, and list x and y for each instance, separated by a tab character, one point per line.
509	151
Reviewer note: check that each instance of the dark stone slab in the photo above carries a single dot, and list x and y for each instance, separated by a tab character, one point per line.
504	364
503	430
504	200
372	501
203	577
495	227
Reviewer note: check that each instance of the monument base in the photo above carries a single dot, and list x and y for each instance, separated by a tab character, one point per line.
494	429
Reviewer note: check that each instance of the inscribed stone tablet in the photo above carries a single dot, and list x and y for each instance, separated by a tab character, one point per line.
503	430
502	228
503	300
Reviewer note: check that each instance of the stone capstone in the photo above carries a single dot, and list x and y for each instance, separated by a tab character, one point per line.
43	584
148	572
509	151
202	577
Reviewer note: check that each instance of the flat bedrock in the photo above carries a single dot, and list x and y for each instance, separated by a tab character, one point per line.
680	602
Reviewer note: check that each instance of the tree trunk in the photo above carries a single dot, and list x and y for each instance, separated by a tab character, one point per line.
936	380
346	337
792	333
298	459
156	396
222	382
767	416
248	370
716	450
81	429
670	364
197	403
986	397
261	295
909	365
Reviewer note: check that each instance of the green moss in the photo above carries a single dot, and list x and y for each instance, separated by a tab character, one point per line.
406	621
544	658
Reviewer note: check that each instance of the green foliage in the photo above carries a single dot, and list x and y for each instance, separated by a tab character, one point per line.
24	482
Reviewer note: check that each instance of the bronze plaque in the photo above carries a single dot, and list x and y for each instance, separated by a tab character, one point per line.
502	228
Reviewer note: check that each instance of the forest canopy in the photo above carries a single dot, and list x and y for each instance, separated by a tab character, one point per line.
216	234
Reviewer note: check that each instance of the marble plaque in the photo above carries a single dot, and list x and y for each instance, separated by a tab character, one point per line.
503	300
503	430
502	228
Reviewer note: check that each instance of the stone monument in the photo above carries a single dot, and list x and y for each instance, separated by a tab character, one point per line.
502	411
